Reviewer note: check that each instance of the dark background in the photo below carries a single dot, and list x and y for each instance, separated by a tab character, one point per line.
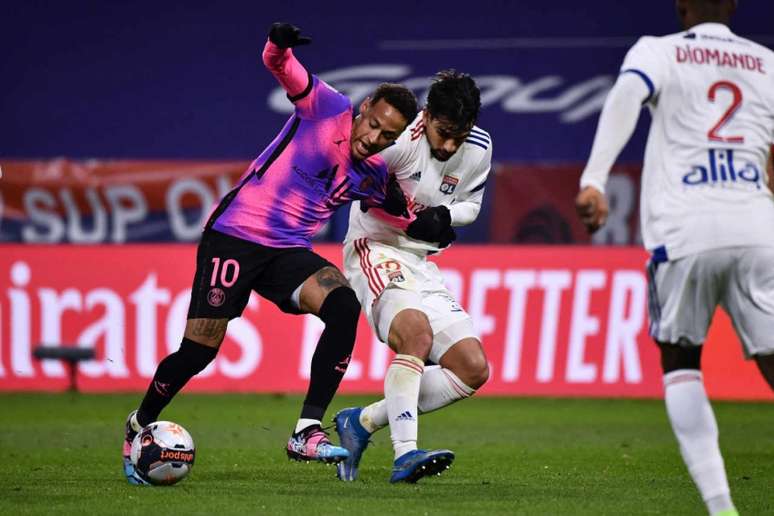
184	80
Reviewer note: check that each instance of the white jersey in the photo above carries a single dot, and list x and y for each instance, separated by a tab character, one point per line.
457	183
704	174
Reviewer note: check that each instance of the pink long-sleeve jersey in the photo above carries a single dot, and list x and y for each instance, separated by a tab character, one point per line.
294	186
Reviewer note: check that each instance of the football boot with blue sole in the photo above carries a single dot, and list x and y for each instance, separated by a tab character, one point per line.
412	466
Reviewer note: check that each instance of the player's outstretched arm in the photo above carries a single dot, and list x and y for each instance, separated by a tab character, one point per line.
279	59
616	125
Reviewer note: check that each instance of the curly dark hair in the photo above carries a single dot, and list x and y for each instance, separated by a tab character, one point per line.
455	97
399	97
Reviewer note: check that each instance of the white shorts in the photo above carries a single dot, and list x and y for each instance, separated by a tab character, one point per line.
685	292
388	280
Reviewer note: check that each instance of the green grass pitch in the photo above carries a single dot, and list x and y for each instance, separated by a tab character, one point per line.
59	454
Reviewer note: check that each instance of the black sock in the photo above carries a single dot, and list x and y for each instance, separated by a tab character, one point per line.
339	312
171	375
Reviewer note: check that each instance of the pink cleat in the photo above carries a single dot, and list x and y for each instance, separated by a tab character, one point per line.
130	430
312	443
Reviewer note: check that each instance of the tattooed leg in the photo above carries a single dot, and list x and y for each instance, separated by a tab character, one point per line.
208	332
327	294
316	288
198	348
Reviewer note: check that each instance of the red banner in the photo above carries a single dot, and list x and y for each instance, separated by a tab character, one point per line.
558	321
110	201
534	203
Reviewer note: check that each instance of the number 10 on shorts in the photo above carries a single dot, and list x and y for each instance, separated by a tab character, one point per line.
228	273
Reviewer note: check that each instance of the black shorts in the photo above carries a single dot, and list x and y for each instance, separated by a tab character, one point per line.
228	268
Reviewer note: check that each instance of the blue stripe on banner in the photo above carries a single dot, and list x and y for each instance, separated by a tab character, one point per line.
478	138
477	143
648	82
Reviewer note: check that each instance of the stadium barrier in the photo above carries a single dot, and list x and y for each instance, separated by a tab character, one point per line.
555	321
110	201
137	201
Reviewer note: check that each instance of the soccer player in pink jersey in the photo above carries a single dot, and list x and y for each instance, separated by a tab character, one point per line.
258	238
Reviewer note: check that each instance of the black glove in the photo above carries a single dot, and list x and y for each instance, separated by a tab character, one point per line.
285	35
432	225
394	199
447	238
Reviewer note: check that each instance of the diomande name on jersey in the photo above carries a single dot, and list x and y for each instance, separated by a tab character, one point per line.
704	175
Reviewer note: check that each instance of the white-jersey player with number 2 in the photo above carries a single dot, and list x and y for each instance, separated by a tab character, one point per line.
707	210
441	163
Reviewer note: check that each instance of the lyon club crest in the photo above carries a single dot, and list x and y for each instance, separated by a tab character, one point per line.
448	184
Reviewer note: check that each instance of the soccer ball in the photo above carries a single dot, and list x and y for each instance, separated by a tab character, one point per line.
163	453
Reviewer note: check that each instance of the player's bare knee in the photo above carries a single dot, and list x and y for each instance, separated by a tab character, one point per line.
207	332
417	344
411	334
675	356
473	370
473	375
466	359
479	374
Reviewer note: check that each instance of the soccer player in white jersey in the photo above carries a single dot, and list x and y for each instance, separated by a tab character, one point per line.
706	209
441	162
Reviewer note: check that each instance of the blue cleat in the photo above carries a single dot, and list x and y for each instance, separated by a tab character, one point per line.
129	432
131	475
416	464
354	438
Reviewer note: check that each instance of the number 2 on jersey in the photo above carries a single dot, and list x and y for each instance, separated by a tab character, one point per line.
712	134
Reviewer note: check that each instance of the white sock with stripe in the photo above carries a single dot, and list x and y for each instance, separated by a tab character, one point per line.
401	392
441	387
694	425
438	388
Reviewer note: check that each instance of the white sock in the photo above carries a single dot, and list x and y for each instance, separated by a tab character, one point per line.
401	392
696	430
374	416
306	423
134	423
441	387
438	388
